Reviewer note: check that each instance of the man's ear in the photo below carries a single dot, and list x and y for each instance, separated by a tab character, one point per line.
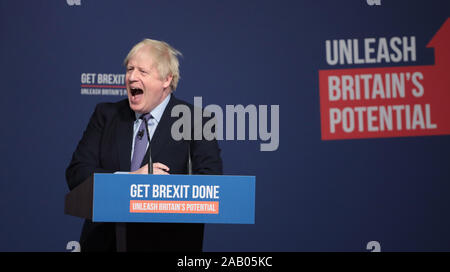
167	81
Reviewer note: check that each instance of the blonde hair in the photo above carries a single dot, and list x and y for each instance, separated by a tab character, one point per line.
164	57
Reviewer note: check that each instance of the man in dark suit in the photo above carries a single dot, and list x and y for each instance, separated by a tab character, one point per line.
109	144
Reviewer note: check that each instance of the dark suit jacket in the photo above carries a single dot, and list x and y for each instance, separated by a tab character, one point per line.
106	148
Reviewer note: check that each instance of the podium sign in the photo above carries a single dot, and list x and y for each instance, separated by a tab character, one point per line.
173	198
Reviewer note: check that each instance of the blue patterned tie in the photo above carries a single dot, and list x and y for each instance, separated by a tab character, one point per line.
140	144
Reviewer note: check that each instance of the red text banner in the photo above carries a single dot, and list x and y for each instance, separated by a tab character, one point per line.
388	102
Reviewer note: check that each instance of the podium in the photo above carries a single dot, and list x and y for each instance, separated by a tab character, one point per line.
126	198
164	199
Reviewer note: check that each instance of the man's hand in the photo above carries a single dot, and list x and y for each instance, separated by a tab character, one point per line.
158	169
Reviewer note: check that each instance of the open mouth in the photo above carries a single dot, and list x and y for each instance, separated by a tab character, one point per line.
136	91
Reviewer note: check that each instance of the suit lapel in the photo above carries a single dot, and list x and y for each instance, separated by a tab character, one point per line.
162	132
124	132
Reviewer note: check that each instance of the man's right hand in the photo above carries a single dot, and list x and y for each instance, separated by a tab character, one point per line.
158	169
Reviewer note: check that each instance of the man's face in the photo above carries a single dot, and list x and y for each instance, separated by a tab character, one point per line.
145	88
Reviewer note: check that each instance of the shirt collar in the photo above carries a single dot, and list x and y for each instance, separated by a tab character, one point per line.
158	111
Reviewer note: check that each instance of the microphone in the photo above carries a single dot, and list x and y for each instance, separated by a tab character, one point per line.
140	134
150	161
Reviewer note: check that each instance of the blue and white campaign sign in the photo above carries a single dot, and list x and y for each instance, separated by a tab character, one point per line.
174	198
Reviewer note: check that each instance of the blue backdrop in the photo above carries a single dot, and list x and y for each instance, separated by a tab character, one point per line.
311	195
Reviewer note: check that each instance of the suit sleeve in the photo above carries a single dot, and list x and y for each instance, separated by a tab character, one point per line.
206	156
85	160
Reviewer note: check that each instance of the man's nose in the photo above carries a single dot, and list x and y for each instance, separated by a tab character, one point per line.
132	75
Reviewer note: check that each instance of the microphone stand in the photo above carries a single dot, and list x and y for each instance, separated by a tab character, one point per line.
189	163
150	161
